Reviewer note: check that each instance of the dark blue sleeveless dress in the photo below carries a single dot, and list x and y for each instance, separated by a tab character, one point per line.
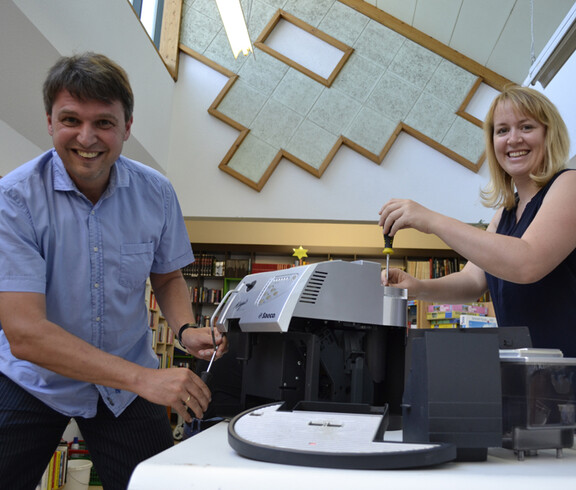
546	307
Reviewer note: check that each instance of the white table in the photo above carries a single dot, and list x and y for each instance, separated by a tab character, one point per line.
207	462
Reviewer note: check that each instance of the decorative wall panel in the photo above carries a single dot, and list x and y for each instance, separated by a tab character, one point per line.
392	79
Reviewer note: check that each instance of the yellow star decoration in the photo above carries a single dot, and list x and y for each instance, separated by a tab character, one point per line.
300	252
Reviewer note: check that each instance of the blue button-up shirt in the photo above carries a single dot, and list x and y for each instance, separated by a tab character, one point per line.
91	262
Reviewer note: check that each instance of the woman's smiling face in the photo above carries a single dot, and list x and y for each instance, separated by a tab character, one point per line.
519	141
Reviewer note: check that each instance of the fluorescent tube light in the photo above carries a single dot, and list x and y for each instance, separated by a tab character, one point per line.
235	26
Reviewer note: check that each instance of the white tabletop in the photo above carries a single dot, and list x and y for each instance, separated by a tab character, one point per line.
207	462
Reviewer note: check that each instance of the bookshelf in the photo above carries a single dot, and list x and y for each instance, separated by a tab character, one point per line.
432	267
209	278
231	283
162	334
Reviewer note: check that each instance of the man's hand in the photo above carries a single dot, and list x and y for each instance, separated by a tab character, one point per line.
178	388
198	342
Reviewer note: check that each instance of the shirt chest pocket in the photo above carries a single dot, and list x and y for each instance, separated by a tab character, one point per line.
135	263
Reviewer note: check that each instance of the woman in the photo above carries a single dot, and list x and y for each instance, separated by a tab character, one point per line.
527	256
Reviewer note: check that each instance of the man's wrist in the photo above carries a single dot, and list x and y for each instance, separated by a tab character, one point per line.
183	328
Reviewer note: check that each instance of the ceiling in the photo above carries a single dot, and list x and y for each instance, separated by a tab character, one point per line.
495	33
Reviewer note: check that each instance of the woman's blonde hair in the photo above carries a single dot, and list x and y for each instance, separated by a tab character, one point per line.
528	101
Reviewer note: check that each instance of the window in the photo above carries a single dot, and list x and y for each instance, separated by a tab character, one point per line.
150	14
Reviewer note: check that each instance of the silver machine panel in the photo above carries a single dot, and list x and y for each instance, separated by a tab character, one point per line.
334	291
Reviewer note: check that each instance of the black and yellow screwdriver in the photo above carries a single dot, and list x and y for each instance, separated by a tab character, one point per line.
388	250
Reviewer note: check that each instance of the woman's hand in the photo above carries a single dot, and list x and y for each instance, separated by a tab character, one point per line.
397	214
399	279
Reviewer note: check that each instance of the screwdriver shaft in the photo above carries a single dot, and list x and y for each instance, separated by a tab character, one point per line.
388	250
211	361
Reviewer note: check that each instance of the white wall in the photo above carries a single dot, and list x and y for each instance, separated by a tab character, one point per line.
39	32
15	148
560	90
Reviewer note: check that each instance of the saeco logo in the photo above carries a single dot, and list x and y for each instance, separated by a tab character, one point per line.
266	315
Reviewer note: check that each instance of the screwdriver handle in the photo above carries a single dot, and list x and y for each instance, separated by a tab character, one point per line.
206	377
388	241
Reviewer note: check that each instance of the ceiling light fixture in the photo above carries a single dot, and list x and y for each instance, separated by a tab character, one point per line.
235	26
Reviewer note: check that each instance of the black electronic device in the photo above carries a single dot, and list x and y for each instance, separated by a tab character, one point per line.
514	337
453	392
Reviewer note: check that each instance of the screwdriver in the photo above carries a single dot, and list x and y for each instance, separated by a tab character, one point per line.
388	250
206	376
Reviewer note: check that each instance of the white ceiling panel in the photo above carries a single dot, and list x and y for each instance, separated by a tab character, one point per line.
437	19
401	9
477	27
515	34
494	33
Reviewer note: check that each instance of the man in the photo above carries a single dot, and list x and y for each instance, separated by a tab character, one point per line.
81	229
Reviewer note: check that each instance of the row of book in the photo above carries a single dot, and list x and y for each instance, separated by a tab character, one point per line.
152	303
468	308
209	266
460	316
237	267
203	320
465	321
164	360
153	318
203	265
205	295
432	268
260	267
55	474
162	334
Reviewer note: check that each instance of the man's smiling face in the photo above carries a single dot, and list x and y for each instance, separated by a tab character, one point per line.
88	136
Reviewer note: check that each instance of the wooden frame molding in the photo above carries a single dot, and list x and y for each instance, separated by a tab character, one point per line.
281	15
170	35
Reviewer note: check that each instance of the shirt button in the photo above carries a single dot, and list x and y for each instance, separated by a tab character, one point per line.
95	249
96	285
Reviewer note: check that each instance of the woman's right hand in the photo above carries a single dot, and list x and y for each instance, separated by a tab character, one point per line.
398	214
